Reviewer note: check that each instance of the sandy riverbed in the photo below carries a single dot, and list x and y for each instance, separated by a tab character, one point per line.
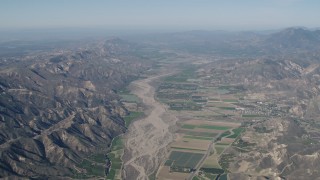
147	139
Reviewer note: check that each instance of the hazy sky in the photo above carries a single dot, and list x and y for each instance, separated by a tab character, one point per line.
160	14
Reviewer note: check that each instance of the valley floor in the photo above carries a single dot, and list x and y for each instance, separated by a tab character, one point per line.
147	138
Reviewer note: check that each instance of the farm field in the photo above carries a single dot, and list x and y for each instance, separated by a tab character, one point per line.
195	137
187	143
236	132
212	161
115	158
165	173
132	116
93	165
220	148
210	123
183	160
117	146
179	164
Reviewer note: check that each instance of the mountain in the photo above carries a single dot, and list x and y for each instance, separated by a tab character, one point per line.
60	106
294	38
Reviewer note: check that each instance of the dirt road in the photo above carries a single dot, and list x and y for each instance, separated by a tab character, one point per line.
147	139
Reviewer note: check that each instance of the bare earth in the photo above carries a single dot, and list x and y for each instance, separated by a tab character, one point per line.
147	139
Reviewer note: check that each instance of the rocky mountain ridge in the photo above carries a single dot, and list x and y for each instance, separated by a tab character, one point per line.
58	107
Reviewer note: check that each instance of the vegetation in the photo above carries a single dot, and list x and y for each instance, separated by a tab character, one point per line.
99	158
203	134
132	116
196	178
262	130
213	127
220	149
117	148
198	137
224	134
225	160
186	74
117	143
230	100
189	126
178	86
165	95
242	144
236	132
129	98
92	169
228	108
212	170
183	159
185	105
223	177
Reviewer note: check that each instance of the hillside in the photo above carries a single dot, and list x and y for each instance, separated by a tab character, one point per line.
58	107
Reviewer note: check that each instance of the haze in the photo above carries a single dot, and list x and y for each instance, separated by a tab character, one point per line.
159	15
160	89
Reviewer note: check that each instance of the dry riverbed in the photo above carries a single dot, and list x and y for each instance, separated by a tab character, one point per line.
147	139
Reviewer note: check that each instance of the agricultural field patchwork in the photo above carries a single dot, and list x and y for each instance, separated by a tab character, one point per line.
117	149
117	146
215	116
183	160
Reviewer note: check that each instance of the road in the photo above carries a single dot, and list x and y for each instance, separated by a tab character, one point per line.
211	146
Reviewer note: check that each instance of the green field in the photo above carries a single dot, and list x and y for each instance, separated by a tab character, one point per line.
93	169
116	164
199	100
196	178
220	149
214	99
117	143
188	126
230	100
224	134
115	157
99	158
222	91
205	126
132	116
227	108
203	134
184	105
183	159
183	76
212	170
197	137
179	86
236	132
214	127
117	148
165	95
223	177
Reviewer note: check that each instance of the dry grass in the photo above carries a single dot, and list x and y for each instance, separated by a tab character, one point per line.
192	143
212	161
227	140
